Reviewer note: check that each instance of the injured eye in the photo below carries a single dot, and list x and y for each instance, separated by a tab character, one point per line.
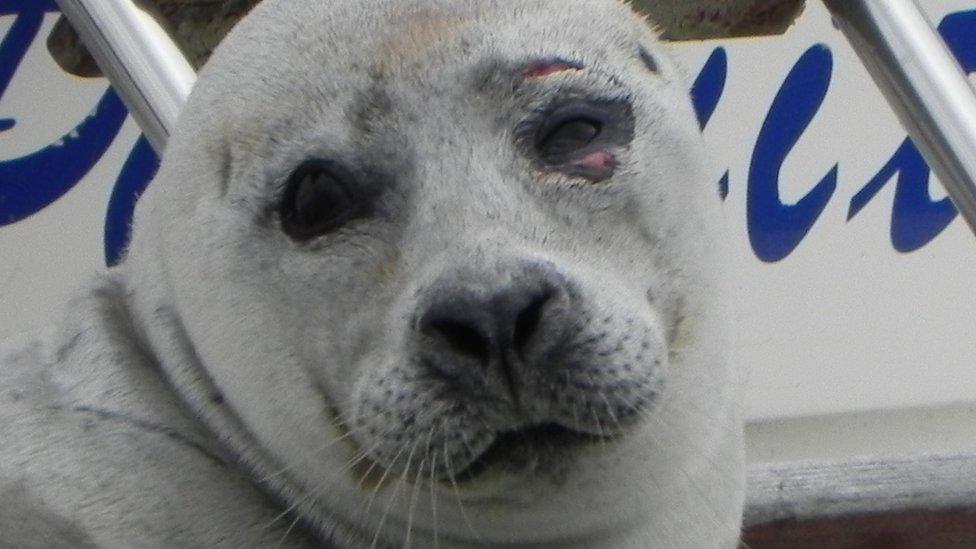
320	197
582	137
562	136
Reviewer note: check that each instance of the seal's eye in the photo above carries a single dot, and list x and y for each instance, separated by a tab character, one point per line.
579	137
569	137
568	131
320	197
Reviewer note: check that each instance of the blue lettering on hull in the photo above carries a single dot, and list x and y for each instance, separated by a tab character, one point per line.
775	228
32	182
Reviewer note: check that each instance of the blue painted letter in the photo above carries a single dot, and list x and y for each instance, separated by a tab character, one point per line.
776	229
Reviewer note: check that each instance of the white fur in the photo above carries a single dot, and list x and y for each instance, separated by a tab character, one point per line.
191	397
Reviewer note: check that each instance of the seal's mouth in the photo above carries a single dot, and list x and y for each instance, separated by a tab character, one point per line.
529	449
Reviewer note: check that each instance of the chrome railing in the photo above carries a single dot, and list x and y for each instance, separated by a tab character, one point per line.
144	65
923	84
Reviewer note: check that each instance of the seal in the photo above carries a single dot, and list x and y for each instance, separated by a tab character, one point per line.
413	273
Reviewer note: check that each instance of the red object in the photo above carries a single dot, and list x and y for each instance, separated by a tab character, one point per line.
547	68
905	530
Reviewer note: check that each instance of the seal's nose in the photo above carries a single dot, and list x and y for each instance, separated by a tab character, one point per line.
492	327
486	326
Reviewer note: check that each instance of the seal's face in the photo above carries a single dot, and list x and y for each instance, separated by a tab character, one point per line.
452	266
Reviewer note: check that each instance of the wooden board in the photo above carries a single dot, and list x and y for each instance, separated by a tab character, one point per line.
903	503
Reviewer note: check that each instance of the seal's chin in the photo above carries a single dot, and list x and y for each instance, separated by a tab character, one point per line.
524	451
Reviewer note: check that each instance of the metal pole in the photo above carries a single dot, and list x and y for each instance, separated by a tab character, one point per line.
923	83
144	65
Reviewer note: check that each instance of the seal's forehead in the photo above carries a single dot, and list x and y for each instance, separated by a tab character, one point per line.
296	64
418	36
316	36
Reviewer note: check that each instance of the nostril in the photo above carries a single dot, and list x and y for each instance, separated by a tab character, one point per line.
461	337
527	323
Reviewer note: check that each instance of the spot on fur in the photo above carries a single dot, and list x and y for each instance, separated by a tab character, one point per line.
648	59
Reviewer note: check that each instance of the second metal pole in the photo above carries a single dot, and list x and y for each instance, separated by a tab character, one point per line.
924	85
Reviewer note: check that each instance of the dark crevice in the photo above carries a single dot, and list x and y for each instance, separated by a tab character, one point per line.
463	338
150	427
527	323
541	438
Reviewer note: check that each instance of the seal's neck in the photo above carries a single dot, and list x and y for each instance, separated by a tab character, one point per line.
160	331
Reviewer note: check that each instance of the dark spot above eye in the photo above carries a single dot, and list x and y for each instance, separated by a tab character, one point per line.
648	59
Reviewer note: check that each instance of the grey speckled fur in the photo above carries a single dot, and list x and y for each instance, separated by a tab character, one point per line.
27	523
98	449
228	386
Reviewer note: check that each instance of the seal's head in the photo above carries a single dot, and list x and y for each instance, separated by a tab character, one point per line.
453	269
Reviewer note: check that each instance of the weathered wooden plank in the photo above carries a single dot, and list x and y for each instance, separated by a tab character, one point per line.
814	491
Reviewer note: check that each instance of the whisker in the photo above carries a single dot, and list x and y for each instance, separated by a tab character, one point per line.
291	526
416	492
379	485
704	501
467	446
613	416
433	496
393	497
312	494
349	432
457	494
671	534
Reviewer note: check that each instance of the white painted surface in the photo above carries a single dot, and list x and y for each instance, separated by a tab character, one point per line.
45	257
850	346
845	323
